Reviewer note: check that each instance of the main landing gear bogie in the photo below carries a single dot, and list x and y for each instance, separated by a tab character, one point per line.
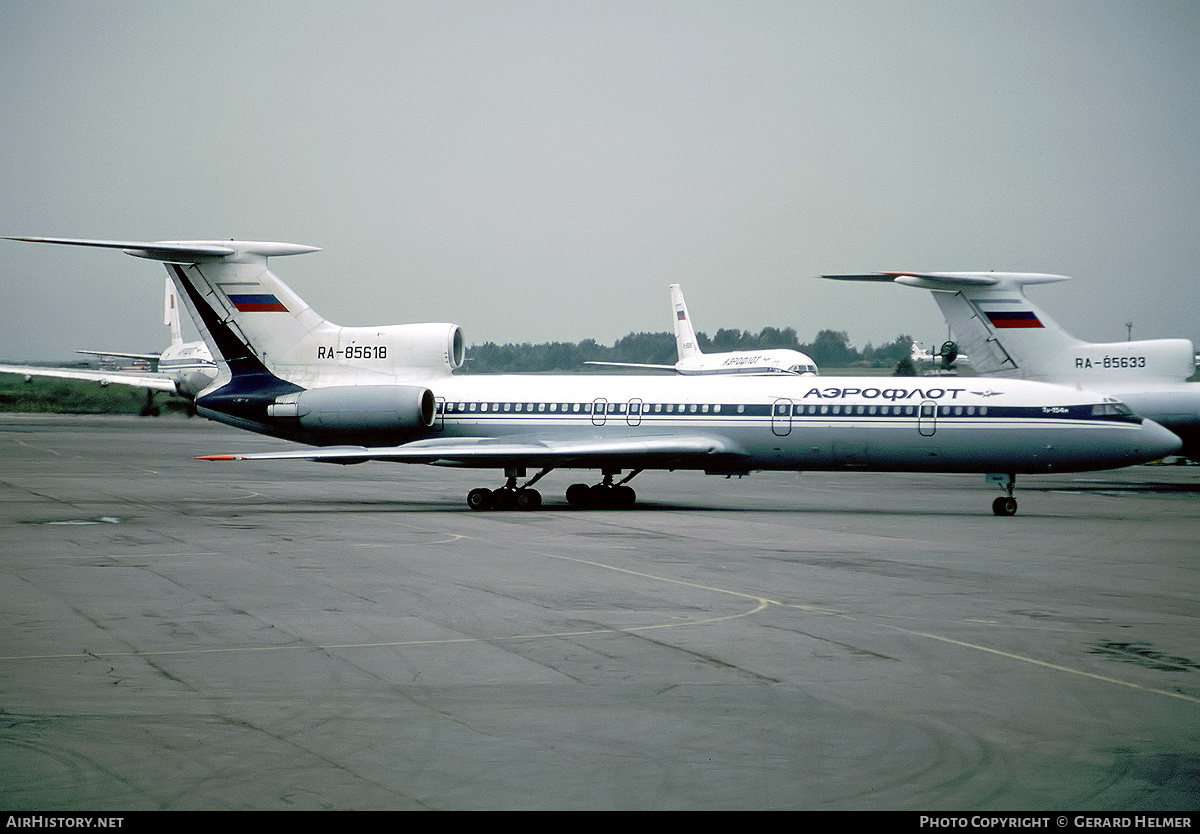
510	496
601	496
505	498
604	495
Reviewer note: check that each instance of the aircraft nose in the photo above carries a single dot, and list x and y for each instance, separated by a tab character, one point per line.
1157	442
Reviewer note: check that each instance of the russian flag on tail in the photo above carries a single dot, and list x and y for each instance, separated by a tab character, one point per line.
264	303
1002	319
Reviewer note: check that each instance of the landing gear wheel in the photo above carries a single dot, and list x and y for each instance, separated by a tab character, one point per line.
480	499
623	496
528	499
504	498
1004	506
578	495
600	496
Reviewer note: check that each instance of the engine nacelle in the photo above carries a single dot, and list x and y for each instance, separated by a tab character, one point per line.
391	348
1170	360
429	345
359	409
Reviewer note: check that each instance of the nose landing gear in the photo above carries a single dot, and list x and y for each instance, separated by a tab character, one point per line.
1005	505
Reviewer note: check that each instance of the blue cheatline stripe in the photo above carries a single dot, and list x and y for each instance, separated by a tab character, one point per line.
845	413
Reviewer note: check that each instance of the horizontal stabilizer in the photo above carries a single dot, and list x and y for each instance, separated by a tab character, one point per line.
886	277
149	357
183	251
954	280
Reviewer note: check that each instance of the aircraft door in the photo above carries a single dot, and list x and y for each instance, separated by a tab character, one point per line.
927	418
781	417
634	415
439	414
599	411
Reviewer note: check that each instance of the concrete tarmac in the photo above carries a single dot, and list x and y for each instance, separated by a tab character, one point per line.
288	635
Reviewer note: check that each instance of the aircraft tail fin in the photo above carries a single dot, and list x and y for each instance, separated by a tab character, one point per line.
685	334
1002	331
171	313
1006	334
249	317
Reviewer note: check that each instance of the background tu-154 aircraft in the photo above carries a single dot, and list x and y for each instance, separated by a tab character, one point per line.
692	360
184	368
388	393
1007	335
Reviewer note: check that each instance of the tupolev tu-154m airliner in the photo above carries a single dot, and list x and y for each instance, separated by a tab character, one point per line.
388	393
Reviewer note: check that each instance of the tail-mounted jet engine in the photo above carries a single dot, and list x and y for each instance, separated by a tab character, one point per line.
435	346
350	413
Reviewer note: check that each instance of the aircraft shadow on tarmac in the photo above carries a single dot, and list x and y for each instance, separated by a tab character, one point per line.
1121	487
284	506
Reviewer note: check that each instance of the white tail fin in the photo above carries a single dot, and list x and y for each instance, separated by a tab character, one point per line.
685	335
243	310
171	314
1006	334
295	343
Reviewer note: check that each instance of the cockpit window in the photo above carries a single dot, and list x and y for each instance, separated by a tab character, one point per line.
1111	409
1119	410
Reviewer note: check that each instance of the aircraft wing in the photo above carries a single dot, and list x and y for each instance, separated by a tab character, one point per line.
153	381
633	365
149	357
659	451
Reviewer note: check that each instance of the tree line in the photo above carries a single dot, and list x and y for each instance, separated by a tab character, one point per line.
831	348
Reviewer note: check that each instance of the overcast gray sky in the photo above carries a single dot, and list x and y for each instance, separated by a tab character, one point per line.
539	171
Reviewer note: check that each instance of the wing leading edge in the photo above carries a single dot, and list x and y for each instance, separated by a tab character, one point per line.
659	451
153	381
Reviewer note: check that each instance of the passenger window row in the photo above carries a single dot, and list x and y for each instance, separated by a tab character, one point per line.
638	407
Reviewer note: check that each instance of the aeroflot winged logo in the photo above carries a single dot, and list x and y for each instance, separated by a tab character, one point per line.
1002	319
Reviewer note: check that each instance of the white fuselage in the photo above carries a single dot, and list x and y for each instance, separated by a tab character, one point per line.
796	423
190	366
760	362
